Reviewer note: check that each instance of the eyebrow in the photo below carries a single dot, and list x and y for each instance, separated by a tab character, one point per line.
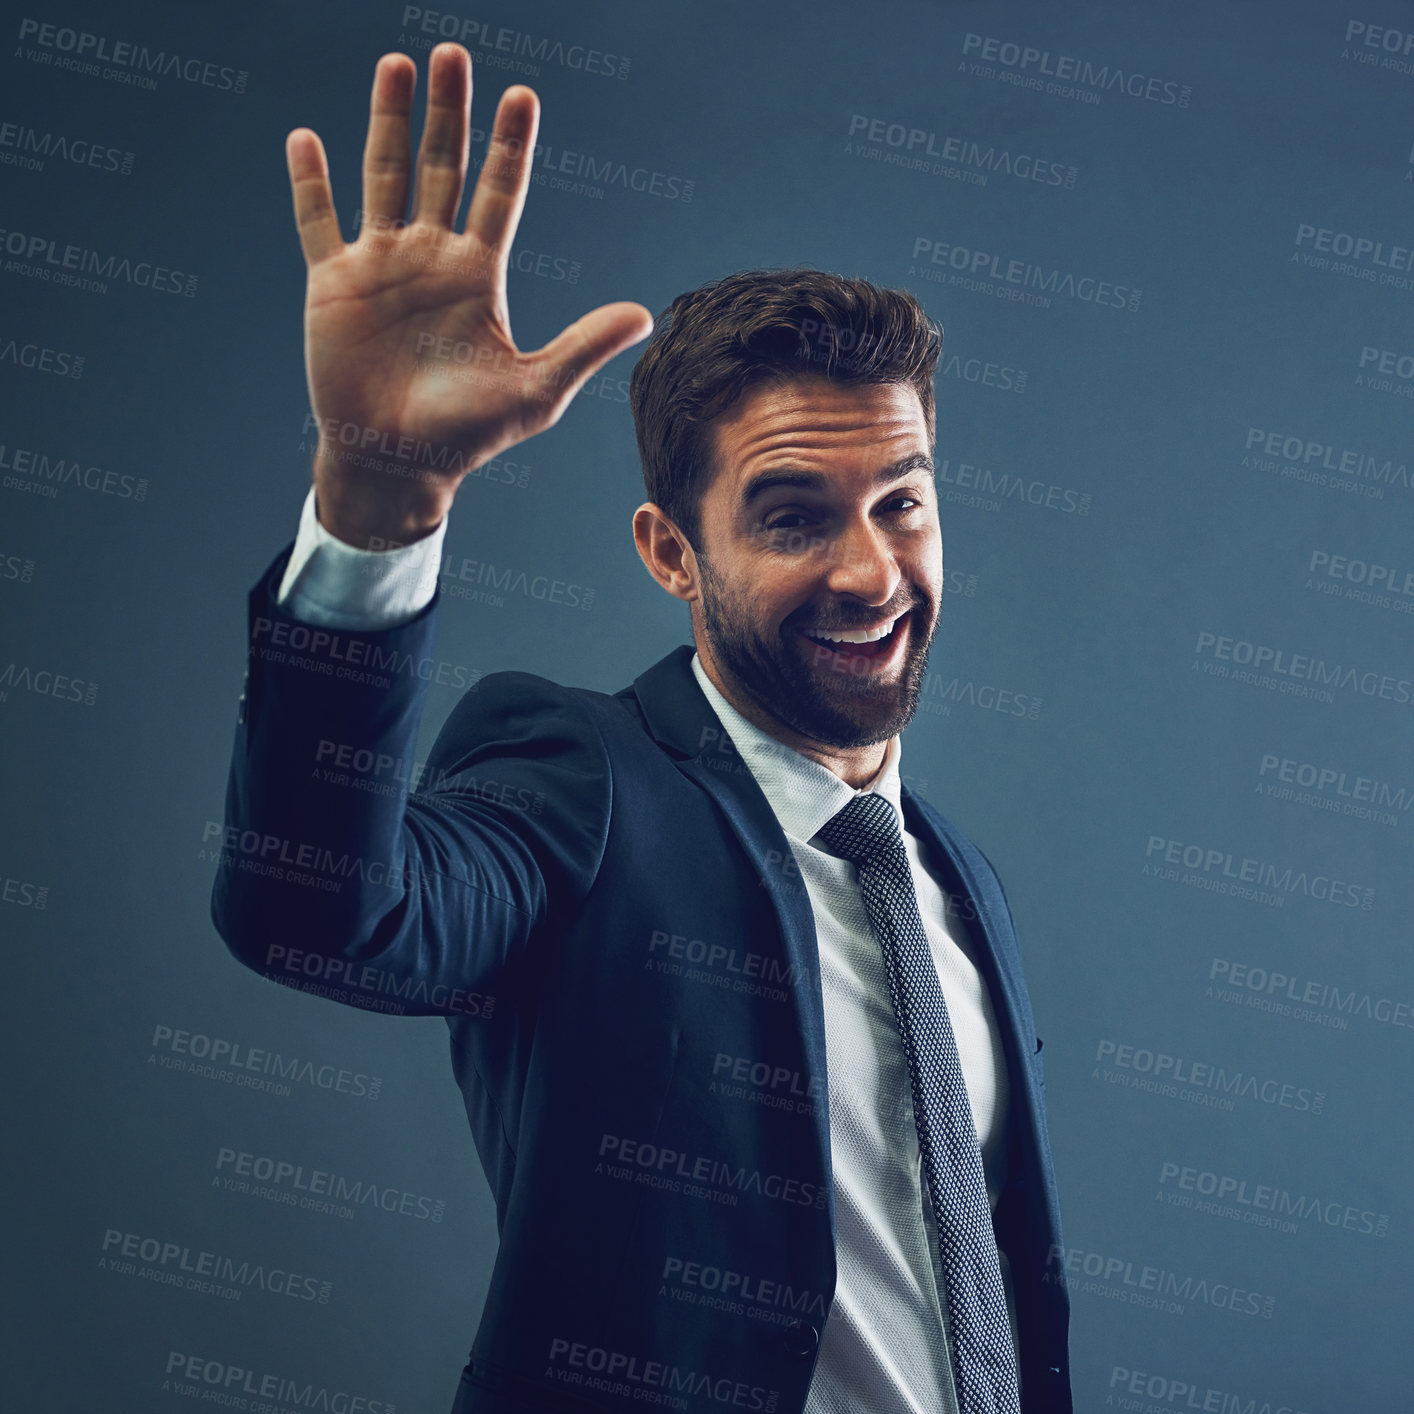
757	486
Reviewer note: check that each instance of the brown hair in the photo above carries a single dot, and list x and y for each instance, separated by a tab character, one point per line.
712	343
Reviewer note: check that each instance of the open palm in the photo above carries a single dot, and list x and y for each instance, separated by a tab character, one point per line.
401	421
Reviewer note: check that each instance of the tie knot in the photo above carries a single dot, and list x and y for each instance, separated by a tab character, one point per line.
866	828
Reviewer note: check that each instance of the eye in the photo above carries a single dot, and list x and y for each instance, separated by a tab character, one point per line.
783	521
911	502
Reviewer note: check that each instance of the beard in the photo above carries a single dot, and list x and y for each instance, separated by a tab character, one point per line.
774	669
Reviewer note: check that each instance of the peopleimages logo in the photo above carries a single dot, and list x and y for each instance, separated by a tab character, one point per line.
1364	249
1316	457
41	472
44	258
698	1175
224	1384
1379	46
28	148
87	53
44	682
1166	1072
1361	257
1265	665
1269	990
23	894
350	657
943	154
717	964
501	47
984	373
940	695
255	1062
636	1377
1123	1279
585	174
41	358
1392	579
971	484
1258	1199
1388	361
1070	76
1131	1389
1020	281
1222	867
740	1293
1332	788
16	567
505	579
1312	463
237	1168
171	1263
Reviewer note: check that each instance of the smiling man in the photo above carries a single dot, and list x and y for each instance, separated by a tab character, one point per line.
739	1019
815	607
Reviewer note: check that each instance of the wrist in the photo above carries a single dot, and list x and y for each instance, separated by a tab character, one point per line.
383	509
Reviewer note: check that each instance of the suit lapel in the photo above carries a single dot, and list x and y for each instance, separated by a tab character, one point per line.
680	718
997	956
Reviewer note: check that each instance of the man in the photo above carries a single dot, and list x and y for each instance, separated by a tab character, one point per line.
738	1019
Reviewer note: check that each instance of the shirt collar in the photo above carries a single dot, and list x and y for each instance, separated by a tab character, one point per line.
804	794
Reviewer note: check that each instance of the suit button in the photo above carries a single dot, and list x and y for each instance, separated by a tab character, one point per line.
800	1339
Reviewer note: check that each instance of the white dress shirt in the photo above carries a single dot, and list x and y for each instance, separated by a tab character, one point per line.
336	585
884	1348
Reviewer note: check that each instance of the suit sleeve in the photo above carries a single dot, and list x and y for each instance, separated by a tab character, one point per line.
347	869
335	585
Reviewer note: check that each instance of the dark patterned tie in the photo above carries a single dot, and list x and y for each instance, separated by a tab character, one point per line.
866	832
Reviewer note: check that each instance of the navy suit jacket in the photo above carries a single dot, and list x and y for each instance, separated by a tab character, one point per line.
596	894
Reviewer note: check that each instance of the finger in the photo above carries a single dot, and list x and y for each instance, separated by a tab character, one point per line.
574	354
315	218
499	197
387	153
441	157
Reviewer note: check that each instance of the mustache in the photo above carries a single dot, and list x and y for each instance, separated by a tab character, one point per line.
884	611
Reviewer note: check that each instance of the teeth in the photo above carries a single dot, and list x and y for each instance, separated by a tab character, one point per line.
852	635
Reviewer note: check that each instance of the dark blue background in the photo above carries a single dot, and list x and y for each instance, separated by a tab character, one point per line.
1284	119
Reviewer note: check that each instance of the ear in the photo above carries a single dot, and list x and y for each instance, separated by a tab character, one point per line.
665	551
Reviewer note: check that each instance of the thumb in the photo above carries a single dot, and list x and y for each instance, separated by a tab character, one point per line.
577	352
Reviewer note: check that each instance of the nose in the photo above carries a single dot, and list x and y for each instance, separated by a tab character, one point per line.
863	564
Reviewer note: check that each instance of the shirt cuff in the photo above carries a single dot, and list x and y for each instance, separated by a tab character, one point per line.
335	585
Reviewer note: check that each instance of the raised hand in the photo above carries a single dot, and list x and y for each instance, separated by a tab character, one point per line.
401	426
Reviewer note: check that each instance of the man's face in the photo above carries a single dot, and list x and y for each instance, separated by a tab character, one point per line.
822	519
